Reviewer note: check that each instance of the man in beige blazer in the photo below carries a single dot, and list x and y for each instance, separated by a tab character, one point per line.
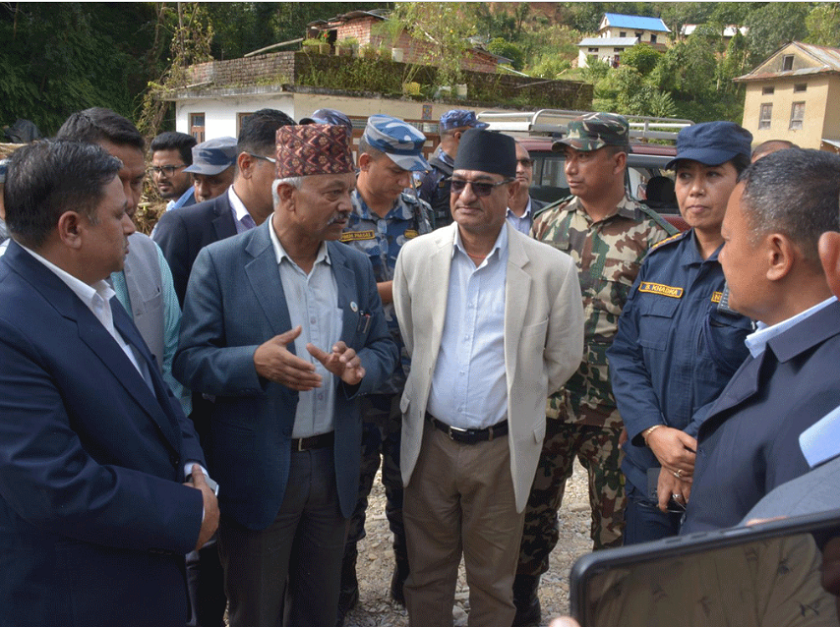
494	323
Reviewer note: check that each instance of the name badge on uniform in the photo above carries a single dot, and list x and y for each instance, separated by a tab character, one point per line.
661	290
410	234
716	296
356	236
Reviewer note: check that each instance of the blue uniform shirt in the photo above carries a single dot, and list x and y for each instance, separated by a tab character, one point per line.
676	347
381	240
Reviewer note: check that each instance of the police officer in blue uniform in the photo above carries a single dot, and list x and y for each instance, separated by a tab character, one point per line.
434	186
678	342
384	218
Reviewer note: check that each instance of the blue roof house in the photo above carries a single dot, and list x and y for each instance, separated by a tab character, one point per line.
618	32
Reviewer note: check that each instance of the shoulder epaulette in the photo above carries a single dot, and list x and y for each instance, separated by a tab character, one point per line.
653	215
553	205
668	240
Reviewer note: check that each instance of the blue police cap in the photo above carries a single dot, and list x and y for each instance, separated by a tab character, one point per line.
399	140
213	156
460	118
329	116
712	143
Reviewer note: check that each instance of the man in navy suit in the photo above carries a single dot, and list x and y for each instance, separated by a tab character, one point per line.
283	327
245	204
96	511
749	441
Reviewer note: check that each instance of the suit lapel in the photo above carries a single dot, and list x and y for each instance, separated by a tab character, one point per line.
345	281
137	386
264	277
440	266
223	224
517	292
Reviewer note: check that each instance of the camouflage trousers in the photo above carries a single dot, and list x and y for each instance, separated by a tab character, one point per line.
598	451
382	423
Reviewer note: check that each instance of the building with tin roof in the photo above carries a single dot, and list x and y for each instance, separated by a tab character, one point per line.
793	95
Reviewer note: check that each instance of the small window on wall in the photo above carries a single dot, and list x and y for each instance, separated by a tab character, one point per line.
197	126
241	118
787	63
798	88
797	115
765	116
653	39
768	91
622	33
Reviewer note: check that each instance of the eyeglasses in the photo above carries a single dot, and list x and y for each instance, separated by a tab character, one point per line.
526	163
261	158
482	190
168	170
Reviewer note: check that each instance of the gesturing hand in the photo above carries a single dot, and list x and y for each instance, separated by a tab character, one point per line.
343	362
275	362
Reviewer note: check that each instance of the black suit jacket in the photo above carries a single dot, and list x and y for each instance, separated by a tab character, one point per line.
181	233
749	443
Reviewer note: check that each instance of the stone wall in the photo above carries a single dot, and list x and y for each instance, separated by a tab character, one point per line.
300	68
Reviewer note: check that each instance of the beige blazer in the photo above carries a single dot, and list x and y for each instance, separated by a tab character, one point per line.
543	338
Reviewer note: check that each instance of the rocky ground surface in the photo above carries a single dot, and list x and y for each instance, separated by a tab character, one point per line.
375	563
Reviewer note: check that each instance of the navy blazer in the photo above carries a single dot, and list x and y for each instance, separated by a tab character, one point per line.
94	521
749	442
235	303
182	232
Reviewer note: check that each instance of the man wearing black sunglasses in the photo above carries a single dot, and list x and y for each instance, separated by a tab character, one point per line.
522	208
493	323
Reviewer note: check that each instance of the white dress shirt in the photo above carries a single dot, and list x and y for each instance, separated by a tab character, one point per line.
757	341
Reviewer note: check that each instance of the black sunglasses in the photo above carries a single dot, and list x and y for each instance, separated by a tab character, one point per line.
482	190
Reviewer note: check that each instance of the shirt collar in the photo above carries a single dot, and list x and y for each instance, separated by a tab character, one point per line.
177	204
280	252
90	295
500	245
525	214
756	342
239	210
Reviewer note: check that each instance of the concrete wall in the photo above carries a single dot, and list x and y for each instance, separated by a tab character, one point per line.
220	113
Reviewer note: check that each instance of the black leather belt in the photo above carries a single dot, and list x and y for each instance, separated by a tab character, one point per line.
470	436
316	441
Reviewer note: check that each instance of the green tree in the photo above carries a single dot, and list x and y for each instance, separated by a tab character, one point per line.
642	57
774	25
509	50
823	24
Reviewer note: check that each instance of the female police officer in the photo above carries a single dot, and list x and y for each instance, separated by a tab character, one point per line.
678	343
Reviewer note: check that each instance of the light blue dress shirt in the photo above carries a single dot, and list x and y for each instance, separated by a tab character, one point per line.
469	385
312	300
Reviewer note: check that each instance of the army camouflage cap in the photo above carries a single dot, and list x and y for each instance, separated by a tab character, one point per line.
595	130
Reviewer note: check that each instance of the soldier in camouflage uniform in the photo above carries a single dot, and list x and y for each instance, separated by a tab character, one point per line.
384	218
607	233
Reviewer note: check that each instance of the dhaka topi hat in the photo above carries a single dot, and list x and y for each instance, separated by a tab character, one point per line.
460	118
311	149
329	116
712	143
593	131
399	140
213	156
486	151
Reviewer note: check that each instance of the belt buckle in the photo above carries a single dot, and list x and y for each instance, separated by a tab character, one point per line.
300	445
453	430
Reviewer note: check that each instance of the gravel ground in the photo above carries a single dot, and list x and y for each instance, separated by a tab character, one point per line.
376	561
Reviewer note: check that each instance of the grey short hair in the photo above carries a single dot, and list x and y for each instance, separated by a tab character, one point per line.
794	192
294	181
